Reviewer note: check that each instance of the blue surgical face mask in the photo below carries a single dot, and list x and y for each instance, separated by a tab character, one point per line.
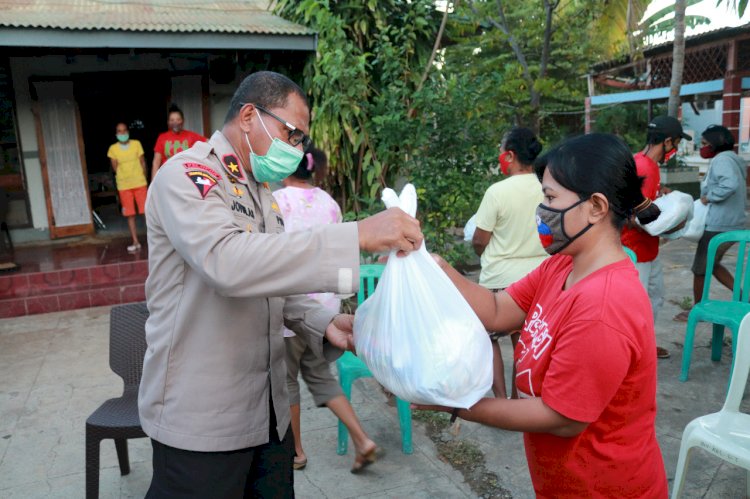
123	137
281	160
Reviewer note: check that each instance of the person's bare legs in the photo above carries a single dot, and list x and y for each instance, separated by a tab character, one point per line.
131	227
498	372
723	276
297	432
343	410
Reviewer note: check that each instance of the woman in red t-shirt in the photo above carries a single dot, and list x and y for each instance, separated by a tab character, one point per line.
585	361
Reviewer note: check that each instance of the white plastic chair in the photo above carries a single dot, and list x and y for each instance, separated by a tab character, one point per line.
725	434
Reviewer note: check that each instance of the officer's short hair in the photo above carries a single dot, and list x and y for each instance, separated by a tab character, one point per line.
264	88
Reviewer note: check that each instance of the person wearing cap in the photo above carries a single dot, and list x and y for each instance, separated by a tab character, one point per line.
724	191
662	138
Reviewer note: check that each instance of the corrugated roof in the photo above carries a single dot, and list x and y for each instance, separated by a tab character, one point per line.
166	16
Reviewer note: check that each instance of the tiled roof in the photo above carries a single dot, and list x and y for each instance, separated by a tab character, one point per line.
168	16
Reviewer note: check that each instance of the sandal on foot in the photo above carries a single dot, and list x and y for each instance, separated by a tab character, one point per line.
662	353
299	464
362	461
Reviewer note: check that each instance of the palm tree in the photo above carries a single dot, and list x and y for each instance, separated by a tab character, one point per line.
678	58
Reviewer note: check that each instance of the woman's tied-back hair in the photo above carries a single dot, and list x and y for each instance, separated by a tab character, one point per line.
524	143
314	162
600	162
720	138
173	108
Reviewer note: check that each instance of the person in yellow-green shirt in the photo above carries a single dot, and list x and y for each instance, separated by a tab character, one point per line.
129	165
506	237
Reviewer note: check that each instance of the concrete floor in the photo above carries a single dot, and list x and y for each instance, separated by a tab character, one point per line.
54	371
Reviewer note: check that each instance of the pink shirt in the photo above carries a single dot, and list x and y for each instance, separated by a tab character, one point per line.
302	209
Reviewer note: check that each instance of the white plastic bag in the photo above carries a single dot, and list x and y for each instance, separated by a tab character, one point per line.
676	207
470	228
693	231
418	335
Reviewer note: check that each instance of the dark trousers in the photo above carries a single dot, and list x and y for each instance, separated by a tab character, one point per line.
264	471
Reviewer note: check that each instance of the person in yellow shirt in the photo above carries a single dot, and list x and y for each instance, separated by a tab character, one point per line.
506	237
129	165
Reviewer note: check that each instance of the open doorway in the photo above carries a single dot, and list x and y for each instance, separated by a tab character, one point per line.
138	98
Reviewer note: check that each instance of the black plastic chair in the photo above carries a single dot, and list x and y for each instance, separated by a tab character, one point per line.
118	418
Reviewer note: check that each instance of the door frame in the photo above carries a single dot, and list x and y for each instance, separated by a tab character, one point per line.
71	230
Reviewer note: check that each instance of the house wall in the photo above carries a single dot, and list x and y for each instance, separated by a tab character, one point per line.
23	68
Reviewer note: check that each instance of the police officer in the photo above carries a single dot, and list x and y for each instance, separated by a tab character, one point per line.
223	276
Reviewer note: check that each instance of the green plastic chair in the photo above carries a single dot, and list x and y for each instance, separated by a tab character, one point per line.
721	313
630	254
351	368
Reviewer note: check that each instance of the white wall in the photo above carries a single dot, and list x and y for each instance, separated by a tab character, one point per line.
695	124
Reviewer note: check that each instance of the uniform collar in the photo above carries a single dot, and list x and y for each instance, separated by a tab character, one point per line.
228	158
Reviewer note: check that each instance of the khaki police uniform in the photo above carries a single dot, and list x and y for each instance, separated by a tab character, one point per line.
222	275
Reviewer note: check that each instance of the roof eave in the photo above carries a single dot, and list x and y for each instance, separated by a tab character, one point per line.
68	38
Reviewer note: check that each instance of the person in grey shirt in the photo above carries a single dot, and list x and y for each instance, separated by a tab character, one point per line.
724	190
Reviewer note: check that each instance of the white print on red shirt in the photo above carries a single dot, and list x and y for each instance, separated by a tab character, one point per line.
538	328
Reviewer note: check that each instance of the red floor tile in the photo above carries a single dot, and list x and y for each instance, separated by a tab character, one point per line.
14	286
105	296
42	304
134	293
43	282
75	278
12	308
105	274
72	301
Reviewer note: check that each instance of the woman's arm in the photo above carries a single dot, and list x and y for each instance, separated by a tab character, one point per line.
480	240
526	415
497	311
113	162
155	164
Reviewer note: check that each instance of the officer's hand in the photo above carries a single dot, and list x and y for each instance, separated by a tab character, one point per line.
340	332
391	229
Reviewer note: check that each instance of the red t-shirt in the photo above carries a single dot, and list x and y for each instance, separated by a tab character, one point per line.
169	143
645	246
589	352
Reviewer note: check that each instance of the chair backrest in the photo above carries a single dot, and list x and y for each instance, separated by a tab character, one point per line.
741	368
630	253
369	275
741	290
127	341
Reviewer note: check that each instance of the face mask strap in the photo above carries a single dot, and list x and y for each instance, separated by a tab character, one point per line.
263	124
247	139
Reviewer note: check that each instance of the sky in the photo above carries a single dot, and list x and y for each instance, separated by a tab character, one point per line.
721	16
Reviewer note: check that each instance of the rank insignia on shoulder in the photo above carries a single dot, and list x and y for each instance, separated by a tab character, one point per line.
233	167
202	181
198	166
237	191
275	207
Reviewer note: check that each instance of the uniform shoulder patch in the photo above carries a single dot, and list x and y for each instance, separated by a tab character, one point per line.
233	167
203	181
207	169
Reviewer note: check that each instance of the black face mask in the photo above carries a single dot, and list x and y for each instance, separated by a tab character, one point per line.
550	224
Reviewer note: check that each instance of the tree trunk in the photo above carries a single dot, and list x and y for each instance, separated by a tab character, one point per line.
678	58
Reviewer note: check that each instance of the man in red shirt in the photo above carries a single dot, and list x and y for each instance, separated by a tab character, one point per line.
663	137
174	140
